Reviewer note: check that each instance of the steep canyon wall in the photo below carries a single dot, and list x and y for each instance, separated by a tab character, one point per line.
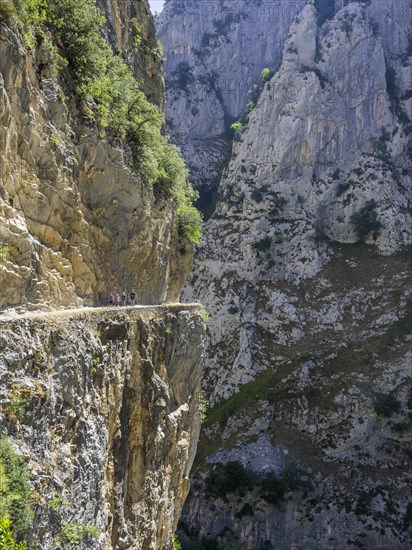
305	268
105	407
76	220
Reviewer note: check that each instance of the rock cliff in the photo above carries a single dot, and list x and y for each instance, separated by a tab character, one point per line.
104	405
304	269
76	219
99	408
215	52
130	29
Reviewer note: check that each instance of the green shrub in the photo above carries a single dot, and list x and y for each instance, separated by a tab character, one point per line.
228	478
203	313
95	363
15	488
6	537
257	195
402	428
273	490
342	188
72	533
266	75
363	503
366	221
262	244
6	9
4	252
238	127
250	106
176	543
234	477
386	405
110	96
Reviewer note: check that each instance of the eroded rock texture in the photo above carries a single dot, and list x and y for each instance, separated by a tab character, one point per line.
108	419
305	268
130	29
215	52
75	219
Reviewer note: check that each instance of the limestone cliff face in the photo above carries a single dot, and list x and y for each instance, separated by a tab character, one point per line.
322	143
108	420
304	268
130	29
75	219
215	52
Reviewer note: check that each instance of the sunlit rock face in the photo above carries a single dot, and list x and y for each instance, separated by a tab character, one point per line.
110	421
304	268
76	220
130	29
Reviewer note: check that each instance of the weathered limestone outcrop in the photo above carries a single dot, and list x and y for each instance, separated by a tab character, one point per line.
304	268
305	164
131	30
75	219
314	384
104	404
215	52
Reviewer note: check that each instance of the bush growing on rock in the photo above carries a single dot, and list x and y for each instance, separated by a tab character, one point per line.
6	537
108	94
224	479
262	244
386	405
239	126
366	221
15	489
233	476
6	8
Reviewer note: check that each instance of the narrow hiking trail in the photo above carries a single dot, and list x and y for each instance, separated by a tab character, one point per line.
61	313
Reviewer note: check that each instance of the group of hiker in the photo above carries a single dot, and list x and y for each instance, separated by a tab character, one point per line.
121	299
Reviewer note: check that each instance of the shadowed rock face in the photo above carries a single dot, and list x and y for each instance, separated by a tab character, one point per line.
111	420
75	220
215	53
301	270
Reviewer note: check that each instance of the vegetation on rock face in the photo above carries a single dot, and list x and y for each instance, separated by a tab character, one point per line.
107	93
366	221
7	541
257	89
72	533
233	476
387	404
15	495
176	543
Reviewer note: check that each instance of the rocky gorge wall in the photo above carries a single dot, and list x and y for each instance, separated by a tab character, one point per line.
304	267
76	220
99	408
130	29
104	405
215	52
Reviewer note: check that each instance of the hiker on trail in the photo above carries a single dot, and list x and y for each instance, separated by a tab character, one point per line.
118	300
133	298
123	299
111	299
